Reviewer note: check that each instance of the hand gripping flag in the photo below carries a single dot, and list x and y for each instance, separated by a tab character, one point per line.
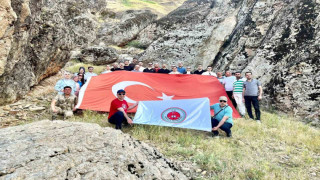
99	91
187	113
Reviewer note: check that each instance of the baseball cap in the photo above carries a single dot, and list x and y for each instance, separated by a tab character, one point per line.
223	98
121	91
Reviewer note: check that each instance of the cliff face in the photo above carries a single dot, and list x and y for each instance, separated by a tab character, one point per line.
277	40
37	37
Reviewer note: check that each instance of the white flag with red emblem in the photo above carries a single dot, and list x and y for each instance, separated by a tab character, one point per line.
186	113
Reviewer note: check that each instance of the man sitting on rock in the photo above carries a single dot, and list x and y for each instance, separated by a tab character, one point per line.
64	104
118	110
222	117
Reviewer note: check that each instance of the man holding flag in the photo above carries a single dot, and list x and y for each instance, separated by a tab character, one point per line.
118	110
222	117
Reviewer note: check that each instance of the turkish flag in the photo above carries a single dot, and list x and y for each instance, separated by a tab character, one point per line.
99	91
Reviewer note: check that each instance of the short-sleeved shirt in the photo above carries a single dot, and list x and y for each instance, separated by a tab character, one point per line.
221	79
66	103
238	86
227	111
115	104
89	74
181	70
228	82
251	87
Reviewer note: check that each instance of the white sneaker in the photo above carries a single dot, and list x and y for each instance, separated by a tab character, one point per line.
258	121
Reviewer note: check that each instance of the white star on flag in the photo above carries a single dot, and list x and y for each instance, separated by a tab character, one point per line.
165	97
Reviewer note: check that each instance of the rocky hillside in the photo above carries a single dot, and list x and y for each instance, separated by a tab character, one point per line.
65	150
277	40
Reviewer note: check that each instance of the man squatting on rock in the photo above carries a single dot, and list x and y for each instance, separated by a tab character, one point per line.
64	104
118	110
222	117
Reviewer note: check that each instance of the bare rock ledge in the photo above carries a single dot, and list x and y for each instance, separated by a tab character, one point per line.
72	150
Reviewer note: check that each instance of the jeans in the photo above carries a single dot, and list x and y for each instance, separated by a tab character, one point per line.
226	127
255	102
117	119
232	100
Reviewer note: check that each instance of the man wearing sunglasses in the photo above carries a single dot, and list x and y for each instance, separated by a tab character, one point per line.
222	117
118	110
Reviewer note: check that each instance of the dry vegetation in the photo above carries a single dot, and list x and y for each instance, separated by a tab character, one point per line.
159	7
279	148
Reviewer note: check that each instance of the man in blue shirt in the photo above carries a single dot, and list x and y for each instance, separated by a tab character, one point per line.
181	69
222	117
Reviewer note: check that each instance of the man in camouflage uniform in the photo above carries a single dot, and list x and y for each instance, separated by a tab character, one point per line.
64	104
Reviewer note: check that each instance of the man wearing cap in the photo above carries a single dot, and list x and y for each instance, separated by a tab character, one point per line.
118	110
64	104
222	117
149	68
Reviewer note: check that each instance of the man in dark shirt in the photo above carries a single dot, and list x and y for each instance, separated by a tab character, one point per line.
199	70
164	69
156	67
126	66
149	68
133	63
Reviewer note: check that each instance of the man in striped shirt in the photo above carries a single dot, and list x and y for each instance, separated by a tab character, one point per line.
237	93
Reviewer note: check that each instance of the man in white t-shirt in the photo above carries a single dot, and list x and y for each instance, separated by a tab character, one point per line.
90	73
209	72
228	85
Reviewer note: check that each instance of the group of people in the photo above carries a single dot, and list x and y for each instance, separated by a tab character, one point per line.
243	93
136	66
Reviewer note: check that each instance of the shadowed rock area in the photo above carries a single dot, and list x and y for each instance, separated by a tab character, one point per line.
69	150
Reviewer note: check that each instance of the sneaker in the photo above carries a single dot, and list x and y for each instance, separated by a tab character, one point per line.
229	134
258	121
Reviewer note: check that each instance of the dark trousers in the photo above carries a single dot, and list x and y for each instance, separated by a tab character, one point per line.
255	102
117	119
234	103
226	127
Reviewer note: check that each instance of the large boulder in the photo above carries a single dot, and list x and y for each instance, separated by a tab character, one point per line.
128	25
66	150
98	55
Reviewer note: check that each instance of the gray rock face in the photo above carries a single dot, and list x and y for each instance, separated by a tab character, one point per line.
279	41
36	39
65	150
98	55
128	25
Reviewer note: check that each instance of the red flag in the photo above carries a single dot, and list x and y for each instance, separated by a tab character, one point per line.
99	91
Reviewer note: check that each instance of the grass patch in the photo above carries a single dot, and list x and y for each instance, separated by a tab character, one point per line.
159	7
137	44
279	148
126	3
74	67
